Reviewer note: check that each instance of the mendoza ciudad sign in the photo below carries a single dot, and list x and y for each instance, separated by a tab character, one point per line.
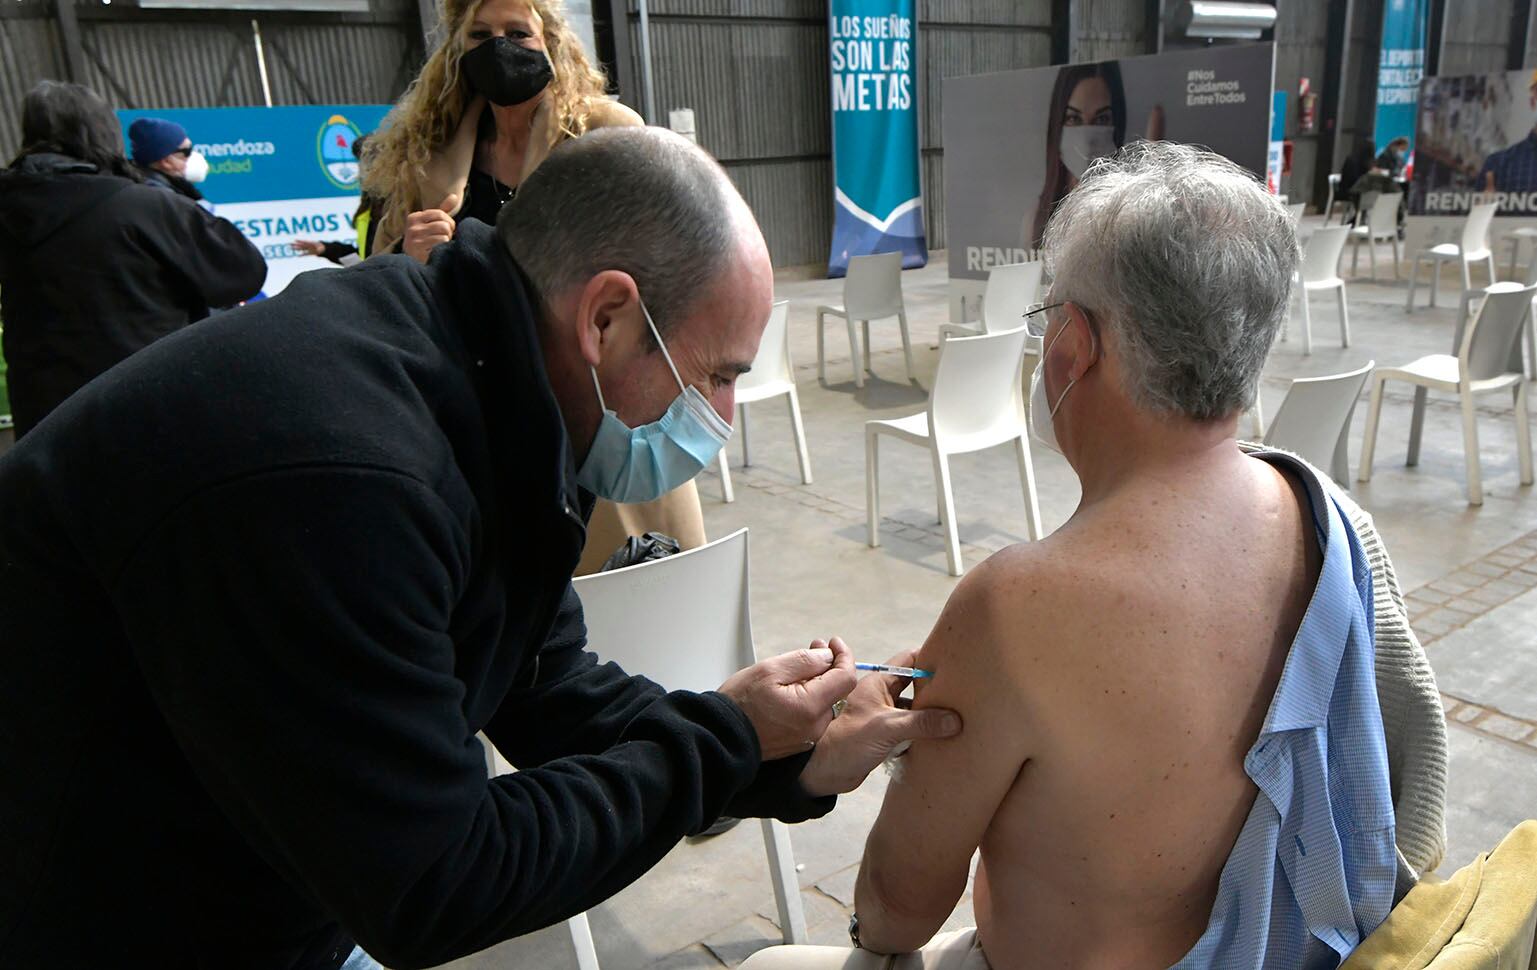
877	202
279	174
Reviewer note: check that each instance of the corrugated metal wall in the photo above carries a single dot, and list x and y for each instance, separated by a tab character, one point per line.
1475	37
196	59
1301	39
755	72
1109	29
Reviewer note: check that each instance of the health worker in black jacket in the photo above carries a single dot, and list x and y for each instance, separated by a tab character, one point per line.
94	263
263	583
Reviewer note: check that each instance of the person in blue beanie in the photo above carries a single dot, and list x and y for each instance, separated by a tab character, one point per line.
162	149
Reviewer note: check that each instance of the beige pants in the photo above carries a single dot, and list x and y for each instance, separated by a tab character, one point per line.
677	514
960	950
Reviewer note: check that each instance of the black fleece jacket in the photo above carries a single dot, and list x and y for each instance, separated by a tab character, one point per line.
259	587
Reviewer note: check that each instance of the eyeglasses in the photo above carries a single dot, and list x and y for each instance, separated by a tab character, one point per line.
184	152
1035	319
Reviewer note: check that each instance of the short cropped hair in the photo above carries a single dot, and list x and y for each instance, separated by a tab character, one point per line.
644	201
1188	261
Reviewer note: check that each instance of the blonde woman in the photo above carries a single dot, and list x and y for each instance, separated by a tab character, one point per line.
507	82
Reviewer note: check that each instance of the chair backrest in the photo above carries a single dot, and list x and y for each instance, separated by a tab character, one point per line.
1315	413
1382	218
1491	346
872	288
1295	211
978	398
1475	229
682	621
1010	291
1321	258
772	364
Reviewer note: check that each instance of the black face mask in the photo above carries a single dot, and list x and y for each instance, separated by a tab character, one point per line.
506	72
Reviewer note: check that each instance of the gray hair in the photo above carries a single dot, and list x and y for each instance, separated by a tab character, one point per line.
1188	261
641	200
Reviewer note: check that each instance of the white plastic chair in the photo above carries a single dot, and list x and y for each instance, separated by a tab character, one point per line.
1381	226
772	375
1320	270
977	402
1011	290
1314	420
685	622
872	290
1488	360
1472	247
1334	190
1295	210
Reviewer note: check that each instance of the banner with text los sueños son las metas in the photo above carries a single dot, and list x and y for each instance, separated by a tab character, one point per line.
877	201
1400	66
279	174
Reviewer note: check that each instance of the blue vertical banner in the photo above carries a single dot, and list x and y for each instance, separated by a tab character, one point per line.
1276	163
1399	69
877	201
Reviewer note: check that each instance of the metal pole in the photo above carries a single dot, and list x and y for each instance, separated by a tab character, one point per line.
261	61
645	63
69	33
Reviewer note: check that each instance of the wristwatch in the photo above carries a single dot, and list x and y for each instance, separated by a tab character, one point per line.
854	930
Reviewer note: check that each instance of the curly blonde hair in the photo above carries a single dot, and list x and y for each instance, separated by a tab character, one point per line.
428	114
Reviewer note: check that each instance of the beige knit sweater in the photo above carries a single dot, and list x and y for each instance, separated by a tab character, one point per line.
1413	720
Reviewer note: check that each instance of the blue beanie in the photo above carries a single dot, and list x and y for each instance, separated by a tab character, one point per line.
154	138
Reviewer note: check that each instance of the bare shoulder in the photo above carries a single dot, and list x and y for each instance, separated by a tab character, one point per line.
605	113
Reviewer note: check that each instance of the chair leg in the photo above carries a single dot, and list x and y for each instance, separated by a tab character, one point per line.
581	941
746	445
787	890
725	478
1396	274
1414	276
1371	251
872	489
1369	436
947	509
1531	344
1344	319
1355	257
1490	260
1435	280
1307	325
1470	449
1027	482
1416	426
821	350
907	345
800	437
1523	434
859	372
866	326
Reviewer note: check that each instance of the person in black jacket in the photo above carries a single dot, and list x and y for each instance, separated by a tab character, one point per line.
95	265
263	583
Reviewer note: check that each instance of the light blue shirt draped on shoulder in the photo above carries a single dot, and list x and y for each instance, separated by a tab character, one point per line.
1312	871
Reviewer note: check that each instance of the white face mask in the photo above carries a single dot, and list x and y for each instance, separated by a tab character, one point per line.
1043	427
197	168
1082	144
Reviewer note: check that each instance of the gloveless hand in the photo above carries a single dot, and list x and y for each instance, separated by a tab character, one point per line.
875	721
429	228
789	698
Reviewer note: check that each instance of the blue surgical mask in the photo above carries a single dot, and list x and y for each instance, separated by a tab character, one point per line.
642	464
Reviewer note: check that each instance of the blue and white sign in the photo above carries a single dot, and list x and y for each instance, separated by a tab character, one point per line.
279	174
1276	163
1399	69
877	204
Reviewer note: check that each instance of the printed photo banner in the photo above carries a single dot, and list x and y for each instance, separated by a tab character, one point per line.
279	174
1016	142
878	202
1477	142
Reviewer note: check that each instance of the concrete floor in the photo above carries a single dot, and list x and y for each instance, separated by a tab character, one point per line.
710	904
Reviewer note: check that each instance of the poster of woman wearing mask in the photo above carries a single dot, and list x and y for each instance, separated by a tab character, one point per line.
1016	142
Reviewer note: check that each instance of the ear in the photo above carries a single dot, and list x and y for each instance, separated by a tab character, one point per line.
1085	341
606	310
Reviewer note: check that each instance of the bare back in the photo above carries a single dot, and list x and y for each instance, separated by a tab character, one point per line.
1107	848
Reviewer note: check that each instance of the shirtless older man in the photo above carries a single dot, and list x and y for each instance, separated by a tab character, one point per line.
1174	753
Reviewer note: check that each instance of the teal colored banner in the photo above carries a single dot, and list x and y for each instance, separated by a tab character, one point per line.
877	201
1400	66
279	174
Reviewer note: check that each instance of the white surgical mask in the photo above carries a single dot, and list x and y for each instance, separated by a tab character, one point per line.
1082	144
197	168
1043	427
